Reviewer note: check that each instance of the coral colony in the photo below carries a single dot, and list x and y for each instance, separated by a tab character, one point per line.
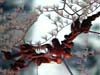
57	51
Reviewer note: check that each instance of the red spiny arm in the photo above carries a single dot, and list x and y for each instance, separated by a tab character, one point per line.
72	36
86	23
